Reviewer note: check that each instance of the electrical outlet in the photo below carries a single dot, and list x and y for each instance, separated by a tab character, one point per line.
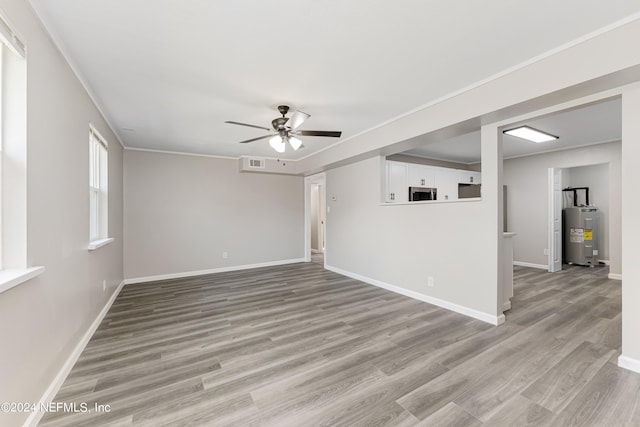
225	255
430	281
104	285
546	251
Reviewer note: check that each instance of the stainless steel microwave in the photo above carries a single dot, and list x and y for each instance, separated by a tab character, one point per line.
422	193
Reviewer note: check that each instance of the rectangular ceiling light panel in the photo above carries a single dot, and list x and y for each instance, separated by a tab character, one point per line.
531	134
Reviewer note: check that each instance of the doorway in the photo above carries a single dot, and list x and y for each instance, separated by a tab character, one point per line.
315	218
594	178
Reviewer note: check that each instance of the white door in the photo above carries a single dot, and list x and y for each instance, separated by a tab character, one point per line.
321	216
315	218
555	219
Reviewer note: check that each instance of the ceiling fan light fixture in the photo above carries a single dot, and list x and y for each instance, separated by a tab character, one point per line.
295	143
282	127
277	144
531	134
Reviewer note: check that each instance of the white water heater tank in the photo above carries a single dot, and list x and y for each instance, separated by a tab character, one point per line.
580	236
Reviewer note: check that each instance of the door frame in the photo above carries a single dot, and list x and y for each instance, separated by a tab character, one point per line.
320	179
320	217
555	204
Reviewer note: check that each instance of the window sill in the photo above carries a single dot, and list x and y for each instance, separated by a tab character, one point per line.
12	278
99	243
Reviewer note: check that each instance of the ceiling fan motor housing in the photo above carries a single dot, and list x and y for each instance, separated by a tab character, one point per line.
279	123
284	109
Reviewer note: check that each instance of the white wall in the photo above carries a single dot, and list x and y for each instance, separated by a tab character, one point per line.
182	212
527	187
401	245
42	320
596	177
630	208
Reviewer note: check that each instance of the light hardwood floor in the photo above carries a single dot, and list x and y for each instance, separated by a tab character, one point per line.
297	345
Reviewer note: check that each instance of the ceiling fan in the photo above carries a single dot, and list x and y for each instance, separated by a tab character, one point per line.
286	130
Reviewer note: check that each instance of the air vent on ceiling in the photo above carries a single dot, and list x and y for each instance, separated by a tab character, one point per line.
256	163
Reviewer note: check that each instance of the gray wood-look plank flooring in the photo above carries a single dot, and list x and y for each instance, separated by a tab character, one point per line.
297	345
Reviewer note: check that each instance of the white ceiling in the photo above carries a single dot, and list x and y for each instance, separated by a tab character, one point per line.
593	124
167	73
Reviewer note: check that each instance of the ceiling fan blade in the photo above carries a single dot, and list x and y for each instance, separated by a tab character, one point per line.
333	134
297	118
248	125
255	139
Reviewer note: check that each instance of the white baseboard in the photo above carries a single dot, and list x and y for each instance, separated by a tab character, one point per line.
485	317
210	271
54	387
629	363
615	276
506	306
604	261
529	264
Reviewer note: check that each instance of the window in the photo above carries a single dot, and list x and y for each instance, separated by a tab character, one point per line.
13	161
13	150
98	187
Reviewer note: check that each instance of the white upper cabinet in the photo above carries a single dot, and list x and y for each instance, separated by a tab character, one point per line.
397	185
447	183
421	176
401	176
469	177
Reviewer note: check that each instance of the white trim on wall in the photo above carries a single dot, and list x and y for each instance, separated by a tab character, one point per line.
557	150
485	317
183	153
54	387
210	271
532	265
629	363
612	276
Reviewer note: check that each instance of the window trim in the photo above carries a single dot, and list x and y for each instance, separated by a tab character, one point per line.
96	244
13	132
13	141
98	190
12	278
